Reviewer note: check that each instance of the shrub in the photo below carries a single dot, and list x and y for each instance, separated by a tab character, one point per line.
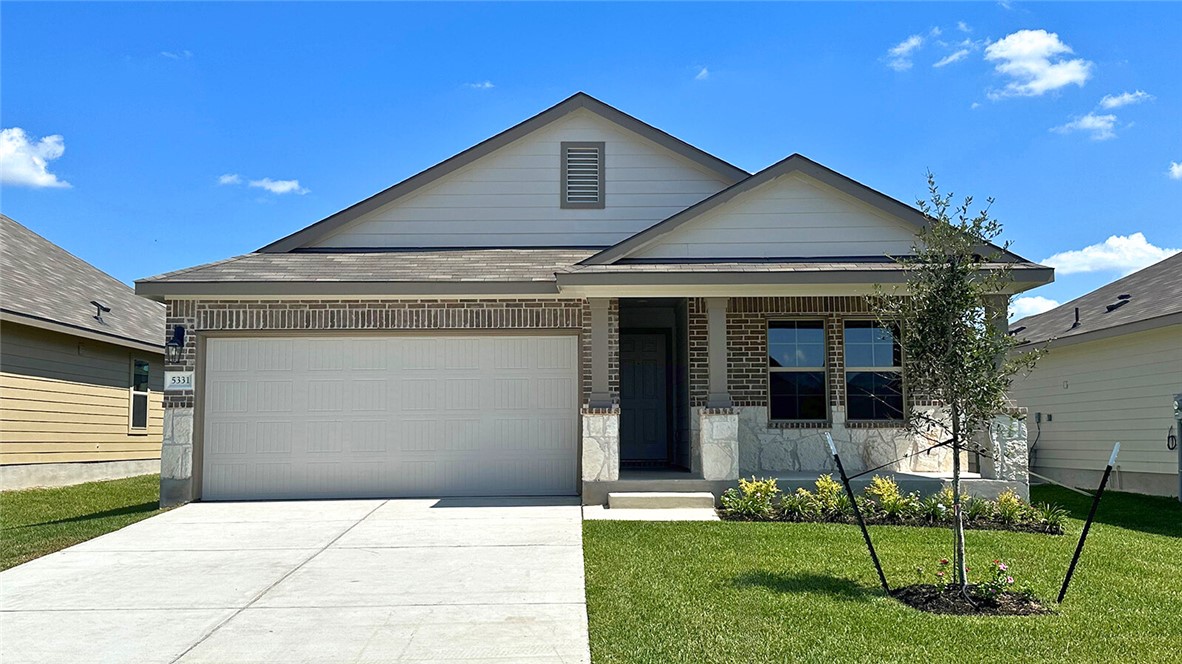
754	499
830	497
799	506
892	504
978	509
1009	508
1051	517
934	511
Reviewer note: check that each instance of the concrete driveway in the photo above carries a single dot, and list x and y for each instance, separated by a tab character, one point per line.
451	580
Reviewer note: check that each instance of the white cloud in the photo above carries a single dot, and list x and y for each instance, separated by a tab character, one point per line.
702	74
177	55
1025	56
975	105
963	27
899	55
936	31
1100	127
1030	305
25	161
956	56
230	178
1119	253
279	186
1125	99
480	85
1175	170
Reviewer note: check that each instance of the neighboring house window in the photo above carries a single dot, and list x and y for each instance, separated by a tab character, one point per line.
139	394
582	175
796	370
873	371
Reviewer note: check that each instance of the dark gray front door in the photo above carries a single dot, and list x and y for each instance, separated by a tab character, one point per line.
644	397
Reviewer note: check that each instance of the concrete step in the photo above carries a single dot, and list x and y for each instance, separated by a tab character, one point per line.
660	499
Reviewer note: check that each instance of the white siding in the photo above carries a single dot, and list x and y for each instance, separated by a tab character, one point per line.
1117	389
790	216
511	196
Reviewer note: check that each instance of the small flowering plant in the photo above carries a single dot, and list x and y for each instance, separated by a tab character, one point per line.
1002	581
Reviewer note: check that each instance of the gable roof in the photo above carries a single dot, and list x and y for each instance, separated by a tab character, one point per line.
580	100
795	163
1155	296
46	286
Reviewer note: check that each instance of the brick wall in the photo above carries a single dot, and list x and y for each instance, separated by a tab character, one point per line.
417	314
746	331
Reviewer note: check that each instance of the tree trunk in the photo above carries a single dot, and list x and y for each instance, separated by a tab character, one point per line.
962	576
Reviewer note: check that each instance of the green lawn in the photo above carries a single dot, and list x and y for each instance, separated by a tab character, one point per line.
35	522
776	592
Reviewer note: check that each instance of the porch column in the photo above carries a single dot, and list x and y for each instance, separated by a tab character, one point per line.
997	311
600	350
718	395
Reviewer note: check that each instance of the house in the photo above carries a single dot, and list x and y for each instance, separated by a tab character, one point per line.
1112	372
577	305
81	368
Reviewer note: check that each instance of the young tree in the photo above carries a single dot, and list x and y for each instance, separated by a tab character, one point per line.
953	331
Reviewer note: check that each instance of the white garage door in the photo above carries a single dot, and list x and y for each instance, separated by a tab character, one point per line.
335	417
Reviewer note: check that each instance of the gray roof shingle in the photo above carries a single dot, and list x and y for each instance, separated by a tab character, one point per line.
39	279
1153	292
450	265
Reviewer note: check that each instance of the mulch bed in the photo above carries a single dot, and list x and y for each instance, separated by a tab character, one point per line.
918	523
949	600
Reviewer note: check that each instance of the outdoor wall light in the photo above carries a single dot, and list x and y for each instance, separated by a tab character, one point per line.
175	346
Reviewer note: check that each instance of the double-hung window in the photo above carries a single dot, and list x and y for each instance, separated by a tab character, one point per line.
873	371
796	370
138	410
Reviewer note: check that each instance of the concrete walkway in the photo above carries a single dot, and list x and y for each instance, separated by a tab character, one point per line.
452	580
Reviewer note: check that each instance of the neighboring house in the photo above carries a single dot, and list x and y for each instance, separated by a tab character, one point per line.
566	305
1112	371
80	388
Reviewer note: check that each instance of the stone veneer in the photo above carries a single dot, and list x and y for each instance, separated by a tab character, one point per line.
203	316
717	443
601	444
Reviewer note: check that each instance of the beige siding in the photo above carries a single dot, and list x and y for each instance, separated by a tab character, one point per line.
511	196
790	216
63	399
1100	392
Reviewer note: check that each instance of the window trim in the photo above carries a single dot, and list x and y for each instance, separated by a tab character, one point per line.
562	200
768	370
846	369
132	394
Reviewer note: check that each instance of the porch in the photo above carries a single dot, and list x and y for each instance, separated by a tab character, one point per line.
686	396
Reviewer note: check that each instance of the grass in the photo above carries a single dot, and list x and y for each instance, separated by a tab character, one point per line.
774	592
35	522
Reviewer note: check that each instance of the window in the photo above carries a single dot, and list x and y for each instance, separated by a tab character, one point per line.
873	371
138	416
796	370
582	175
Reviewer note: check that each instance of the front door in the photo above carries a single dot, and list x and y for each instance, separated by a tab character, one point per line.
644	397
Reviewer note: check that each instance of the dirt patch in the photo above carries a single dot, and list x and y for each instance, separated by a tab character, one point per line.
949	600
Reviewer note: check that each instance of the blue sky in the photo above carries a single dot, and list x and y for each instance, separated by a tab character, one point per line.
142	108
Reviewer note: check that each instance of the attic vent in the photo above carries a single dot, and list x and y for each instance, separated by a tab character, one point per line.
1121	300
582	175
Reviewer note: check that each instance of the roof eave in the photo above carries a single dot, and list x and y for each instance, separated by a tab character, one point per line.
161	290
78	331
